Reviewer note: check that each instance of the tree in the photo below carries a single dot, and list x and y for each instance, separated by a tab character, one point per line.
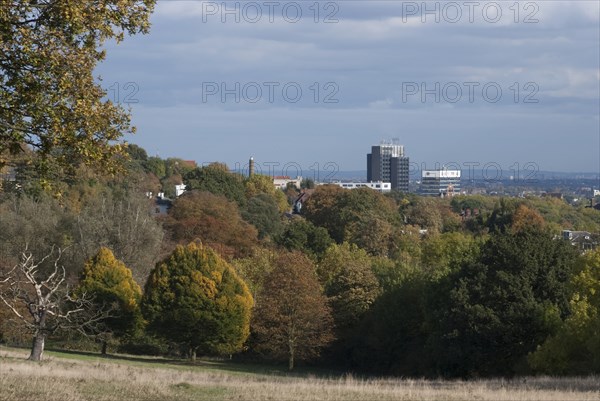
393	335
218	180
371	233
41	223
526	218
156	166
255	268
425	213
110	282
262	212
361	216
575	348
307	183
122	223
351	288
137	154
501	217
304	236
43	290
214	220
49	100
258	184
292	318
194	297
443	253
320	209
493	311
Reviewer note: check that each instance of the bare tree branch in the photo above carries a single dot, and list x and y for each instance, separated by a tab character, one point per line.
48	299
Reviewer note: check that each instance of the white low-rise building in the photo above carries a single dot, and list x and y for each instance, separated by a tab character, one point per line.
281	182
179	190
377	185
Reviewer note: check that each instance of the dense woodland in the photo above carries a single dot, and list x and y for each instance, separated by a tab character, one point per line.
393	284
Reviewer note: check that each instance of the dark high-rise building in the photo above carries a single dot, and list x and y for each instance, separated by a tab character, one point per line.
387	163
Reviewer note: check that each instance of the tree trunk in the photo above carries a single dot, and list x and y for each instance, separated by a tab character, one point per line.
104	347
291	358
193	354
37	348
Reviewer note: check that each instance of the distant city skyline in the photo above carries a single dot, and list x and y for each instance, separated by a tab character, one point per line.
522	88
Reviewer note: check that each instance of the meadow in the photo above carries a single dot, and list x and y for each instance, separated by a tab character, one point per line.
79	377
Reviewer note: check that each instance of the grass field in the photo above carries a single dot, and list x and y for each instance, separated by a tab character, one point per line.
77	377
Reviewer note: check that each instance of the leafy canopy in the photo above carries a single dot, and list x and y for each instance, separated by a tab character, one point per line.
195	298
49	99
292	318
112	283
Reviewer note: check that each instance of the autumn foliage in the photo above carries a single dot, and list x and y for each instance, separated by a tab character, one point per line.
195	298
292	318
214	220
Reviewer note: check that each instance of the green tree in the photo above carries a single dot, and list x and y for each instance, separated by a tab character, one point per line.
307	183
425	213
195	298
447	252
575	348
217	179
352	288
38	223
492	312
292	319
321	210
110	282
258	184
304	236
49	99
361	216
177	166
394	333
501	217
137	153
255	268
262	212
156	166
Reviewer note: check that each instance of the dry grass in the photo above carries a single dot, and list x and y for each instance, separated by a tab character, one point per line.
68	379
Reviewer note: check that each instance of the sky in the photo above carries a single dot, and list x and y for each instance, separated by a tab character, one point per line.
310	86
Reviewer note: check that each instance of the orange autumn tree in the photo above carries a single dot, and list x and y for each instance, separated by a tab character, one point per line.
214	220
526	218
292	319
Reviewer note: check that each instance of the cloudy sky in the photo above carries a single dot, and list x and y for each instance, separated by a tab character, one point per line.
312	83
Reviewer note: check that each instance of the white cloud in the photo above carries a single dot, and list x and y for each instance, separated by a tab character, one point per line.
369	54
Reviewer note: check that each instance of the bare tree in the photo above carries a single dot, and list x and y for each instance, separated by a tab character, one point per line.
40	287
123	225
